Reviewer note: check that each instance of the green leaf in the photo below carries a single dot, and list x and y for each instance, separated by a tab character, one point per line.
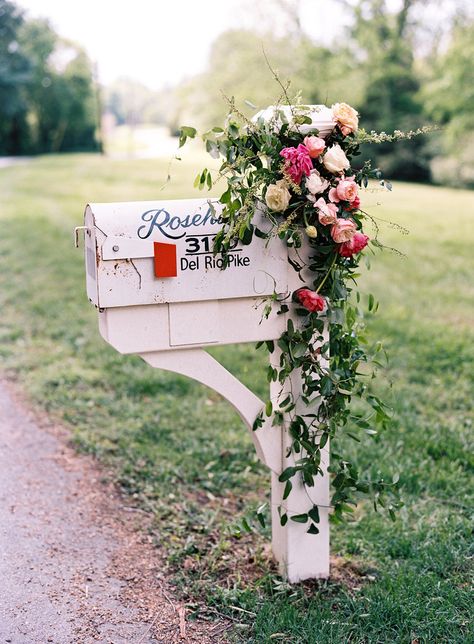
313	529
287	490
287	474
186	132
269	408
299	518
299	350
314	514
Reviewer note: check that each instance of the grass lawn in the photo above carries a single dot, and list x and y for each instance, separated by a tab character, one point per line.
183	453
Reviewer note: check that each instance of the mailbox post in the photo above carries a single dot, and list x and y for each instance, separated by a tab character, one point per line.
162	294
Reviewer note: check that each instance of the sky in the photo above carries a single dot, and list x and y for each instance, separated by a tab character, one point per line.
161	42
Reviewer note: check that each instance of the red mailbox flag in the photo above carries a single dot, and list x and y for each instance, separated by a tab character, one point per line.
165	260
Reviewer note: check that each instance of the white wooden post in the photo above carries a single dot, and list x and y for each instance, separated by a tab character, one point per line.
300	555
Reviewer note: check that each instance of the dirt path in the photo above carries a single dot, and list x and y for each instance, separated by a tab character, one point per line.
75	564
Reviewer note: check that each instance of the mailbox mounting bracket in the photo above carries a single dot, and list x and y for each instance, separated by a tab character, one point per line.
201	366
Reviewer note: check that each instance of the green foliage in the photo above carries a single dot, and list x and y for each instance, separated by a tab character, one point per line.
132	103
51	104
15	72
251	162
448	96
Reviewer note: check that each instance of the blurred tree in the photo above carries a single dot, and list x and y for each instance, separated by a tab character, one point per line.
448	95
15	69
383	48
61	91
131	103
237	67
47	94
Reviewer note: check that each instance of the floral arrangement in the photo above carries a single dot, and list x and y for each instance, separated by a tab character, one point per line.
298	165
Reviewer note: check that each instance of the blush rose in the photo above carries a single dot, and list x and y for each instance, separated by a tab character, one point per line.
343	230
346	190
327	212
315	145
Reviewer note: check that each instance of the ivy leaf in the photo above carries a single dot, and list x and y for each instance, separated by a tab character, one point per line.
313	529
186	132
299	518
314	514
299	350
287	490
287	474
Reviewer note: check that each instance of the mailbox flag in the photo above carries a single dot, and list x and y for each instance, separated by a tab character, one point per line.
165	260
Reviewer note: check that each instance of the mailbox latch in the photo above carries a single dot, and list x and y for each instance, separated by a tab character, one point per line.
76	234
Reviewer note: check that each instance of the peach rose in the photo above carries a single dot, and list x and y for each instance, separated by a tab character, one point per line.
315	145
343	230
327	212
346	117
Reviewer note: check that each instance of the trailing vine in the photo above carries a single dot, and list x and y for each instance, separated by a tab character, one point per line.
298	165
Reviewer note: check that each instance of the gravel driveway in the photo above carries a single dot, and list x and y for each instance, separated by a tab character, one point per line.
76	564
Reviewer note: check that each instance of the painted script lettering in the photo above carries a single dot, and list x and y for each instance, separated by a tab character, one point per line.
171	225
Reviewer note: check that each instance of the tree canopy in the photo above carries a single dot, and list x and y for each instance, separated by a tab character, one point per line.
48	100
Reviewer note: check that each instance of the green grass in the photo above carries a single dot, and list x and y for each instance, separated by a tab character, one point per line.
183	453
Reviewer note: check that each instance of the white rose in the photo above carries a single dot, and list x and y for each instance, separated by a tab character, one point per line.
335	160
315	183
277	196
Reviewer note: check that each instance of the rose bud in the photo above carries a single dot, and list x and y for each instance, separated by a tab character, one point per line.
311	231
311	300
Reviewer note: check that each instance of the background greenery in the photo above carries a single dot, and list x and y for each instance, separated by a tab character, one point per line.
183	454
401	63
48	101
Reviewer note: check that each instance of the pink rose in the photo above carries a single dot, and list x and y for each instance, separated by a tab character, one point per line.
315	145
355	245
327	212
311	300
346	190
298	162
355	204
343	230
333	195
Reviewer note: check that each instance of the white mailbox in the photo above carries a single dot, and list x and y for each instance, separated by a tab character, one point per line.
152	274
